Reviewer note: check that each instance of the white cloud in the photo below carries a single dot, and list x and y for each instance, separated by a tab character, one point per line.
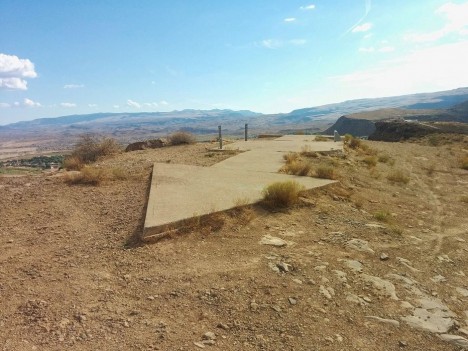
73	86
307	7
151	104
298	42
163	102
362	27
387	49
116	106
456	22
29	103
271	43
132	103
4	104
290	19
67	104
369	49
430	69
13	72
92	105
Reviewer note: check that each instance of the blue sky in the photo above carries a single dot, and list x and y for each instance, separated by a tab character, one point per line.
85	56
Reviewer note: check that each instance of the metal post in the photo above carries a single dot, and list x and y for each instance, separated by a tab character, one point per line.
246	130
220	138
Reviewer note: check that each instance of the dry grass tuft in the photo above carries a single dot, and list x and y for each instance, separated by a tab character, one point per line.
87	176
382	216
282	194
73	163
321	138
399	176
299	168
325	172
307	152
291	157
180	138
370	161
383	158
464	162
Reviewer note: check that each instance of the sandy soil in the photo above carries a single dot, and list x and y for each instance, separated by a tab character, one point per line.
74	276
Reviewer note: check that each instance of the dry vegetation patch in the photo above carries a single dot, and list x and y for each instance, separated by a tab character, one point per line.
181	138
282	194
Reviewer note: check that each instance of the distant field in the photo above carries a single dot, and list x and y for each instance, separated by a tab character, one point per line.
18	170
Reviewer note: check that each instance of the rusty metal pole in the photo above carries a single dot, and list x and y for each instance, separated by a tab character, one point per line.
220	138
246	131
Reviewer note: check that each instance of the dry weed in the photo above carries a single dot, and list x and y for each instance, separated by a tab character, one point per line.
180	138
325	172
399	176
282	194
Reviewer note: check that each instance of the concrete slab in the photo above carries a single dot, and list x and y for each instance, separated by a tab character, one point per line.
181	192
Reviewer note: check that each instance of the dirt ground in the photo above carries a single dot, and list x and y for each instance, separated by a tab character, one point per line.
73	275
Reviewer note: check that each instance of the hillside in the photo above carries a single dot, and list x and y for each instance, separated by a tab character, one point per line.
369	264
364	123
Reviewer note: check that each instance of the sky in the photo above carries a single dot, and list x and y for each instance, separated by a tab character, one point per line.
86	56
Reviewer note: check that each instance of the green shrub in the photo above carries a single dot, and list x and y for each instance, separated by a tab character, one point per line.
282	194
180	138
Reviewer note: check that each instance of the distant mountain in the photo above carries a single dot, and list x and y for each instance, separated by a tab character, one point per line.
437	100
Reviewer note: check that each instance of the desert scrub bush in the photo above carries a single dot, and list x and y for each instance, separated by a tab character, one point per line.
382	216
370	161
180	138
398	176
120	174
282	194
325	172
464	162
87	176
353	143
88	149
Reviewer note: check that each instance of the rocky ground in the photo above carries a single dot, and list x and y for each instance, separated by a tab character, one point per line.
367	264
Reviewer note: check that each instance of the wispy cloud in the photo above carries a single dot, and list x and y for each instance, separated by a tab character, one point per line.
116	107
307	7
428	69
73	86
276	43
290	19
163	102
29	103
387	49
14	71
67	104
367	9
362	27
298	42
271	43
4	104
133	104
151	104
92	105
456	22
367	49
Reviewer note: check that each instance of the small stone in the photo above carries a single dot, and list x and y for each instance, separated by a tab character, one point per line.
151	297
276	308
402	343
463	292
126	324
209	336
455	340
208	342
199	344
10	241
292	301
359	245
273	241
384	256
297	281
283	267
223	326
